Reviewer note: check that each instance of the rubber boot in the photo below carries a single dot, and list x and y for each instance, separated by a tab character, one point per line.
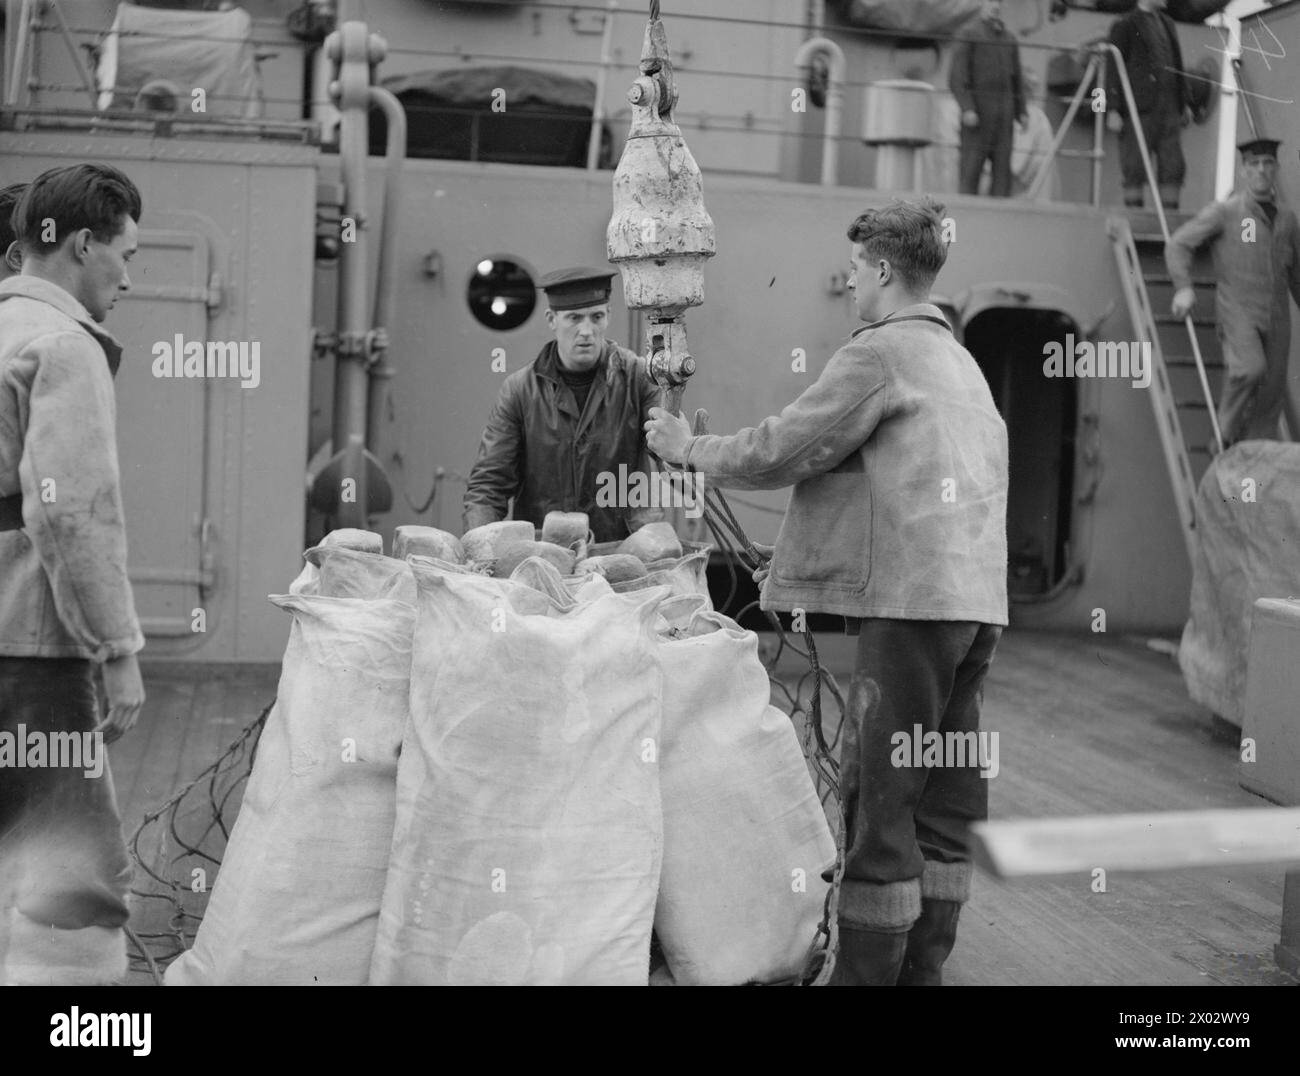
929	942
867	957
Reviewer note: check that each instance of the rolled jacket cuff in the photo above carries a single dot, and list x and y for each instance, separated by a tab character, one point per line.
119	648
888	907
946	881
686	453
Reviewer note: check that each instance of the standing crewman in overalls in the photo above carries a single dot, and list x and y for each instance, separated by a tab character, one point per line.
1256	248
985	80
65	601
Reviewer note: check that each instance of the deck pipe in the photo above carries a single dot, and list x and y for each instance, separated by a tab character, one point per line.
385	308
834	101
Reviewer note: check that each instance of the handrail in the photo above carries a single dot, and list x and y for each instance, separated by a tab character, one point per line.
1190	325
1099	51
1164	405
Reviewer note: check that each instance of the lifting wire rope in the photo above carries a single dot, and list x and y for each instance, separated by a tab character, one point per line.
659	236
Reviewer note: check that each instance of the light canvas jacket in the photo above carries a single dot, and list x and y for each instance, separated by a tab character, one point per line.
63	582
898	458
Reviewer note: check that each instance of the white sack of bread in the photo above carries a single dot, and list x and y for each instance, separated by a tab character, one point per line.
745	837
686	575
586	586
347	573
308	580
296	899
528	837
543	576
677	613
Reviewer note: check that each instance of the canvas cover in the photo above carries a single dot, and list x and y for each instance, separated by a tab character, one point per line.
191	49
909	16
1248	547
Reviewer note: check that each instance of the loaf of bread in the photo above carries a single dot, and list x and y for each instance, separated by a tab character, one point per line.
565	528
485	542
427	542
509	557
654	541
353	538
615	567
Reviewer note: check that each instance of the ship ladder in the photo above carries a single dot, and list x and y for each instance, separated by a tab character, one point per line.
1177	401
1181	397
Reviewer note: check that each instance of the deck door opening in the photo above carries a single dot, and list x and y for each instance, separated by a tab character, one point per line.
1041	415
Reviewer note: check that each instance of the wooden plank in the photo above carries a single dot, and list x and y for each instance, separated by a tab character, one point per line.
1091	724
1161	841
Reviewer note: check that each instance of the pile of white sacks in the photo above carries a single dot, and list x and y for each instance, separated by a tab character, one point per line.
472	777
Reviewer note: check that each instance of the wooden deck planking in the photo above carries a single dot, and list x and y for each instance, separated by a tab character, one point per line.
191	715
1105	726
1086	724
1099	725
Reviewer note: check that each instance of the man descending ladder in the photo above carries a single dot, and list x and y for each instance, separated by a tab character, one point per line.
1256	250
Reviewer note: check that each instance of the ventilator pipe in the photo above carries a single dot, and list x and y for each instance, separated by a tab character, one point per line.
385	308
897	121
834	101
353	50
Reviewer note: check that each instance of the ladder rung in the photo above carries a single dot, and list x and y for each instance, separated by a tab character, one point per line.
1165	278
1190	363
1149	234
1193	405
1169	319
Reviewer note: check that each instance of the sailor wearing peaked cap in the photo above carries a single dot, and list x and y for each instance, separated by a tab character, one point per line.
574	414
1256	247
1264	146
572	289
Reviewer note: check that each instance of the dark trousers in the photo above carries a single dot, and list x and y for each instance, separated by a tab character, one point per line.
901	817
63	862
1163	130
991	140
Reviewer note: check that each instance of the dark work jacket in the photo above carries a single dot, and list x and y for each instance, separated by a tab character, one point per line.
1127	36
985	73
539	449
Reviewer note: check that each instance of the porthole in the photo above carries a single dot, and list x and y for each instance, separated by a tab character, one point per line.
501	293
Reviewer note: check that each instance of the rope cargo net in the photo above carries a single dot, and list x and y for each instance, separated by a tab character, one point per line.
187	833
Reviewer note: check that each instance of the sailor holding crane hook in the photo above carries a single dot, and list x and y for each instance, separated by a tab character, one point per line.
898	459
